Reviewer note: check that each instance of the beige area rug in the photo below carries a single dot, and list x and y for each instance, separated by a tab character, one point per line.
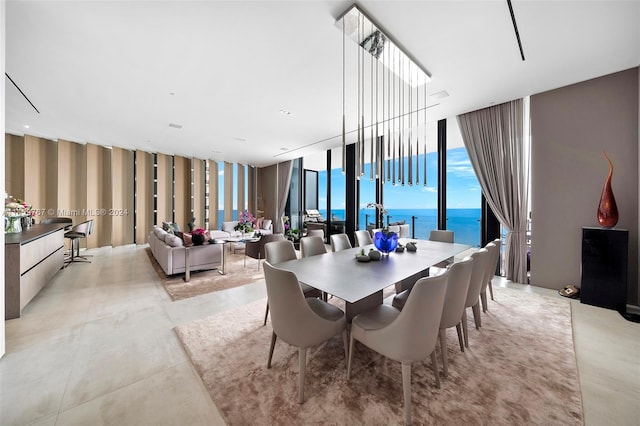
520	369
203	282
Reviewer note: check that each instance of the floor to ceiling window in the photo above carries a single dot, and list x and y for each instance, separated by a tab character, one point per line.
464	195
367	215
220	192
338	187
234	192
415	204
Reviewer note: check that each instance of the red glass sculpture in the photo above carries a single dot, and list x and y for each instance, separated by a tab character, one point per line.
607	209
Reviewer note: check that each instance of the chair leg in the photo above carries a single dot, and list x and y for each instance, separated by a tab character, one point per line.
345	342
258	261
302	366
483	299
436	373
406	392
459	331
266	314
465	330
273	345
443	347
352	344
491	289
476	315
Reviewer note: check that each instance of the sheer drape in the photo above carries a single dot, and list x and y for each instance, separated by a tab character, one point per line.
283	172
494	138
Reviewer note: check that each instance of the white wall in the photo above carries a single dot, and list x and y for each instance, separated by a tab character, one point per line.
2	96
570	127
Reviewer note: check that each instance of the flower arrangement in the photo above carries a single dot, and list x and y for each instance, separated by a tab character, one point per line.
381	211
245	223
198	231
289	233
18	207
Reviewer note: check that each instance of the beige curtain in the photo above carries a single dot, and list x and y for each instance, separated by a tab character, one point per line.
494	138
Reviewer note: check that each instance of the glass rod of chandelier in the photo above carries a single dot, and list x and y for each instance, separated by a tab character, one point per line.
391	106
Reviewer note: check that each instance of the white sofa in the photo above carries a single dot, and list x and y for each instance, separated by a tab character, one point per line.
266	229
168	249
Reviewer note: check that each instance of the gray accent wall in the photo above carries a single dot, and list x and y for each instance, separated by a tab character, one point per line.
570	126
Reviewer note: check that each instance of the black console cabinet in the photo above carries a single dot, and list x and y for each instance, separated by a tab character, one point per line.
604	268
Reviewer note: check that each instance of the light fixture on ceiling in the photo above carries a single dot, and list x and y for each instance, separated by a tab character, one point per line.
285	112
240	139
175	126
26	126
439	95
284	149
391	105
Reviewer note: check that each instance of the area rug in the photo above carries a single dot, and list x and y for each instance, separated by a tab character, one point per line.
520	368
203	282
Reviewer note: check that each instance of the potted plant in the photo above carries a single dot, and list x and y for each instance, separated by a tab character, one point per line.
245	222
291	234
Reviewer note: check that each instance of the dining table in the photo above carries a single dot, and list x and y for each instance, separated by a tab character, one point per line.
361	284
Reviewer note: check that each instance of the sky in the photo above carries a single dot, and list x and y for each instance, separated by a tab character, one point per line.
462	184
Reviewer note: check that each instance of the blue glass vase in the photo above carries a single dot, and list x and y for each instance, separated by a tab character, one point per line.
385	241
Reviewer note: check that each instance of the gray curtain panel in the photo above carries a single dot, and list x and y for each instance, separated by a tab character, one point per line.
284	170
494	138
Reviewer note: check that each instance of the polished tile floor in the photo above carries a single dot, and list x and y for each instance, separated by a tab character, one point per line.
97	346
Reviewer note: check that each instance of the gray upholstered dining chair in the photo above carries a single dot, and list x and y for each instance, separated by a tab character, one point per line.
444	236
363	238
473	294
281	251
300	322
492	263
339	242
315	233
311	246
454	301
406	336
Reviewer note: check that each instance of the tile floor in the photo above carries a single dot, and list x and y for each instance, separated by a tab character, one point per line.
97	346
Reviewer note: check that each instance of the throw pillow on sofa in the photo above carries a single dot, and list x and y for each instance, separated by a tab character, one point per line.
186	238
174	241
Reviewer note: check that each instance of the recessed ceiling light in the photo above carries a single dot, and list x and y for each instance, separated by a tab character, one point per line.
175	126
284	149
217	152
26	126
439	95
172	93
240	139
285	112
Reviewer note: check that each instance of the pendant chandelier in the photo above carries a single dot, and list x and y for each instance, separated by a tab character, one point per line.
391	104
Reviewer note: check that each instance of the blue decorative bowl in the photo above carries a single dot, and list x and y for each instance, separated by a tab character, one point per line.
386	242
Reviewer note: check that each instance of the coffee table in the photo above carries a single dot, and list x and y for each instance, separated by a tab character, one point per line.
230	240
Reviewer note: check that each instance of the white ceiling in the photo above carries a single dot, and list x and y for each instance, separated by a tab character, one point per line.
119	72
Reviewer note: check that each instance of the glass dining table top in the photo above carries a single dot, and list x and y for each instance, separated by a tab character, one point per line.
341	275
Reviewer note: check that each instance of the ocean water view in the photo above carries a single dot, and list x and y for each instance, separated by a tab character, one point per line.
465	223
